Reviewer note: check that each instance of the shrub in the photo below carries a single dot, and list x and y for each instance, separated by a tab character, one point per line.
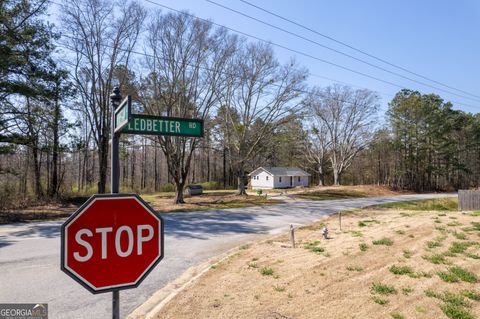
363	246
384	241
266	271
383	289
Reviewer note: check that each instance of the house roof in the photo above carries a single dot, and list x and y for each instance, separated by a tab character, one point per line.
281	171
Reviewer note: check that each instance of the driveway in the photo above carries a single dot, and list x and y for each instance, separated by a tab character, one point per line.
30	253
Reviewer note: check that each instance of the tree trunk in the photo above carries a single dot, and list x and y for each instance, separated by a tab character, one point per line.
321	176
103	165
336	177
55	148
36	171
240	180
179	192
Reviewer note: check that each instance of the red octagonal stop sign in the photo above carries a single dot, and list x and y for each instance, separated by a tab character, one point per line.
112	242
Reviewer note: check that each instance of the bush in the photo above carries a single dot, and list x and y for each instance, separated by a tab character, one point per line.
212	185
169	187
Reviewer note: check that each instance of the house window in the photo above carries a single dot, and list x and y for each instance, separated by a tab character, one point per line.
267	178
280	179
298	178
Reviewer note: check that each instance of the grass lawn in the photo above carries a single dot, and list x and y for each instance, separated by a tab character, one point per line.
345	192
438	204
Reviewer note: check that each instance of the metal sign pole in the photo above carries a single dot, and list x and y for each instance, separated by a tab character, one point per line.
115	98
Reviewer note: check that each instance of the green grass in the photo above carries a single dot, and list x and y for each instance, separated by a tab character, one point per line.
356	233
456	312
384	241
463	274
436	259
266	271
401	270
383	289
476	226
433	244
471	294
461	236
397	315
244	247
407	290
331	194
475	213
380	301
407	253
363	246
447	276
441	204
354	268
458	248
278	288
367	222
252	264
313	247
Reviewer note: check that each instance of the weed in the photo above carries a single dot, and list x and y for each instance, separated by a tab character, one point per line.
384	241
380	301
400	232
403	214
475	213
406	290
396	315
256	297
383	289
411	236
420	309
244	247
367	222
438	221
407	253
278	288
363	246
471	294
361	224
453	224
473	256
313	247
252	264
354	268
476	226
463	274
456	312
457	248
447	276
461	236
442	214
266	271
435	259
356	233
433	244
401	270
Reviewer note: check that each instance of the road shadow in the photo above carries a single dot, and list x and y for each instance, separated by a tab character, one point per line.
203	226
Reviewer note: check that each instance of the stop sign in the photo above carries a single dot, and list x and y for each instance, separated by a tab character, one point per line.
111	242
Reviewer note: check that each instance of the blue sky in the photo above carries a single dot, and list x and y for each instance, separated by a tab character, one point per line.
438	39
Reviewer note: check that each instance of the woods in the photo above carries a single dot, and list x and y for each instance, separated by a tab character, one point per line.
55	111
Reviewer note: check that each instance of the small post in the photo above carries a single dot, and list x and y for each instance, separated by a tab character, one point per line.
340	220
292	235
115	98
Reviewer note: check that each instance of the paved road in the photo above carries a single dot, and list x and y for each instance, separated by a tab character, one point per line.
30	253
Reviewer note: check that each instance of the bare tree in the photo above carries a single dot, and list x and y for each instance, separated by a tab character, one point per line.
316	148
261	96
102	35
187	58
349	117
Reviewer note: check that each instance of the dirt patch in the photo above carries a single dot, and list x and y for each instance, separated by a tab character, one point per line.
383	264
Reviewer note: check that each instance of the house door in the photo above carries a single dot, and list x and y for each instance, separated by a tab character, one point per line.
291	181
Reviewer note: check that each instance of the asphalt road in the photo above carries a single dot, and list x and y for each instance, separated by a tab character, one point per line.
30	253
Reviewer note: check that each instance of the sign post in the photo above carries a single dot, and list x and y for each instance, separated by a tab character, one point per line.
115	98
113	241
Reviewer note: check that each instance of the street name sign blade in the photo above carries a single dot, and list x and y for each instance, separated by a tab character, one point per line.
123	114
111	242
160	125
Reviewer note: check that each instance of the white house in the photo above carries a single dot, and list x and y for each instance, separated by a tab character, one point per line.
278	177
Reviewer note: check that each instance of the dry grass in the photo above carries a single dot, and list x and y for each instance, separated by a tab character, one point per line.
344	281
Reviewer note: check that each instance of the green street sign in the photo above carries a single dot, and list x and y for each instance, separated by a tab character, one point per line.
160	125
123	114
